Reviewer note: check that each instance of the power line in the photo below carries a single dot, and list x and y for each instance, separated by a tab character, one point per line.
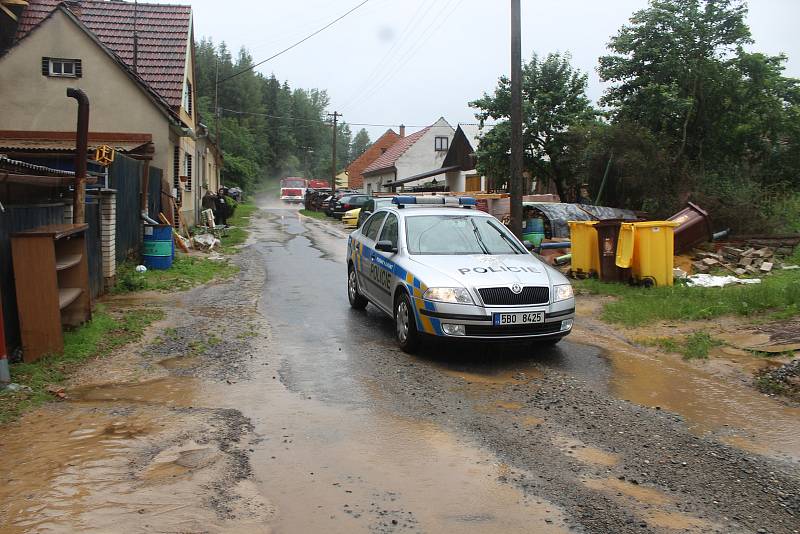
322	121
304	39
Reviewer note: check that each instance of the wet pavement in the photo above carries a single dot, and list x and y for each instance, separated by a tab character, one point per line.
294	413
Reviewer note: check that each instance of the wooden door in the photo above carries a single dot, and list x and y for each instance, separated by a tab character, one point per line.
473	183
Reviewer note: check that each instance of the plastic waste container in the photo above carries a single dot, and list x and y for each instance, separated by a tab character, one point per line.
694	227
607	238
158	246
585	255
533	231
648	248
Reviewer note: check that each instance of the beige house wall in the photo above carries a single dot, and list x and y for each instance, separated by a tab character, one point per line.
34	102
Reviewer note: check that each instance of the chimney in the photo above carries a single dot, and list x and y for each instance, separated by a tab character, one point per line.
402	130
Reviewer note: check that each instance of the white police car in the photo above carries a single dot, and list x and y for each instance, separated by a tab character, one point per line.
442	270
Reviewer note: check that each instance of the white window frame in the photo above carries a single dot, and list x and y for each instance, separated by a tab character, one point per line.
437	143
62	62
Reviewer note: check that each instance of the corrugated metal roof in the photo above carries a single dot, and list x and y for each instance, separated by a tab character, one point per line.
163	33
50	145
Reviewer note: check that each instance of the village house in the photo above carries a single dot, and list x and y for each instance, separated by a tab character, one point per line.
461	160
410	160
135	63
377	149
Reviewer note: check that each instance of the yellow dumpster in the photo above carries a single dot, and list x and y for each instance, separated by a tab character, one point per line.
585	254
653	250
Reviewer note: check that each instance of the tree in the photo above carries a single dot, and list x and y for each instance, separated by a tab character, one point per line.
360	144
679	70
554	101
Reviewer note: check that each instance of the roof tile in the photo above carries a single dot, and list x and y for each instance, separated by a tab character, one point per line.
390	157
163	32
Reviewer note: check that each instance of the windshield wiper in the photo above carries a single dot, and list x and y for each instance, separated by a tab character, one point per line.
478	237
508	240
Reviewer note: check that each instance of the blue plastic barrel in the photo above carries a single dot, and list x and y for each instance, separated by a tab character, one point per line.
159	248
533	231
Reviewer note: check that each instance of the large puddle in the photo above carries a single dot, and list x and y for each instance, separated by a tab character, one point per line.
735	413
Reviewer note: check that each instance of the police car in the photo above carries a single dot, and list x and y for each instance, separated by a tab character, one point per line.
441	270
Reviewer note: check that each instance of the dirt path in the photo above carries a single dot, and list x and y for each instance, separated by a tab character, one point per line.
265	404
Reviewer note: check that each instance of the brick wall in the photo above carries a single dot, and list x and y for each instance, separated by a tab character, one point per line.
356	180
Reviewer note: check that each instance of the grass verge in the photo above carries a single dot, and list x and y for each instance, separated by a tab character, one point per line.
313	214
97	338
693	346
186	272
237	234
634	306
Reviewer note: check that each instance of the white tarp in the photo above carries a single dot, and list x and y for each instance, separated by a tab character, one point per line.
708	280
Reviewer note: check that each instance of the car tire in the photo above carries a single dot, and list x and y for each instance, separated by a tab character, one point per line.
406	333
357	301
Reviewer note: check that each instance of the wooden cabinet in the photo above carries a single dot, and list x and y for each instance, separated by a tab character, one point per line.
51	274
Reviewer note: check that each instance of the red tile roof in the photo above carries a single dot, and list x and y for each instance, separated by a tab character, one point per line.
390	157
163	32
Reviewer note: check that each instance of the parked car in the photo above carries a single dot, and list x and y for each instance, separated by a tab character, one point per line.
350	218
372	205
347	203
328	209
454	273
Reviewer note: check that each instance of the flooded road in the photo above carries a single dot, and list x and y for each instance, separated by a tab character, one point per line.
269	405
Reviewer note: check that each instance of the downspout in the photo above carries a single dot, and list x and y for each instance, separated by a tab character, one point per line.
81	148
5	375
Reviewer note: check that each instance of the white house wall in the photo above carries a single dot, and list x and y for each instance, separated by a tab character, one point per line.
422	155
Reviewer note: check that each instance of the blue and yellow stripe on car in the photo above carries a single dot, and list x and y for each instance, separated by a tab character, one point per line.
415	287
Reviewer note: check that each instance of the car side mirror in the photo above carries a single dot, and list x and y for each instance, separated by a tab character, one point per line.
385	246
528	245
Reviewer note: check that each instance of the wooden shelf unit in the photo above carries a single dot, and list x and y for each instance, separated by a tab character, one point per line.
51	274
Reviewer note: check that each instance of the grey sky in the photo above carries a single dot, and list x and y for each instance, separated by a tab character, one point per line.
412	61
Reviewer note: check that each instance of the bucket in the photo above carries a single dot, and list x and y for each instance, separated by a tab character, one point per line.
533	231
694	227
159	247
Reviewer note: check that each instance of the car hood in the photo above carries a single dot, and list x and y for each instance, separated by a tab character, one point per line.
482	270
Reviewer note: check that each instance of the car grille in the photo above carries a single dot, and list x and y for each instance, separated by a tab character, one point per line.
503	296
513	330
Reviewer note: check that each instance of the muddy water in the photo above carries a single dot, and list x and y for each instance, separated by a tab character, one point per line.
735	413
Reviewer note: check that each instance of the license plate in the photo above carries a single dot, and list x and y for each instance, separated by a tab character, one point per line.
509	319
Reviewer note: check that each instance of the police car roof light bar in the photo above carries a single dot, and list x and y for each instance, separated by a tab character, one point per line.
466	202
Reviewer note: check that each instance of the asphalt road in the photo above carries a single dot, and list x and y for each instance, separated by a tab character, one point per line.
358	436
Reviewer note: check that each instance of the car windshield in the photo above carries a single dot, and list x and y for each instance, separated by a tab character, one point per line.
458	234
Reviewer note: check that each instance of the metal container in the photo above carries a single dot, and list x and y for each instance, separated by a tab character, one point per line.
158	246
694	227
607	238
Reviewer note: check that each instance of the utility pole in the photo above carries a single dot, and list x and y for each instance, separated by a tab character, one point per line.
335	116
516	119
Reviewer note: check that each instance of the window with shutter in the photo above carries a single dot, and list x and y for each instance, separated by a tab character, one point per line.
188	171
62	68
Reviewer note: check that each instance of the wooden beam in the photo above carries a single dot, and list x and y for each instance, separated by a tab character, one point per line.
43	181
14	2
8	12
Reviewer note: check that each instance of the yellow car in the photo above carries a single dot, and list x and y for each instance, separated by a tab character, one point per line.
350	218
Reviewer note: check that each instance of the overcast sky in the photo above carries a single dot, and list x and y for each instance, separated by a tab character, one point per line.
412	61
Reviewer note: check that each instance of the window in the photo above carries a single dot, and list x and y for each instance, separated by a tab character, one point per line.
373	224
459	234
176	167
187	97
61	68
441	143
187	171
389	232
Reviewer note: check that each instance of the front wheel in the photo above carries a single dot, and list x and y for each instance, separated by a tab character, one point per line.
357	301
405	325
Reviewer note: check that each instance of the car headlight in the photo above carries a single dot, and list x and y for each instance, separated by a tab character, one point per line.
453	295
562	292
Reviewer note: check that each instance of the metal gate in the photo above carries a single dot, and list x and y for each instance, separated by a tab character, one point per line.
125	175
94	245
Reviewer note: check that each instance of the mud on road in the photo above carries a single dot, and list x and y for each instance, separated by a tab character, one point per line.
266	404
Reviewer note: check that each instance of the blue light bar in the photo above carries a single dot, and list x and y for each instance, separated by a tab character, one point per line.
433	200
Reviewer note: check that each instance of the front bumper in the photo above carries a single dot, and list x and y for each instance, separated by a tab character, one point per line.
292	199
477	321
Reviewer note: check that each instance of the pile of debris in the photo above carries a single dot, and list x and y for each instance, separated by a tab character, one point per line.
741	262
